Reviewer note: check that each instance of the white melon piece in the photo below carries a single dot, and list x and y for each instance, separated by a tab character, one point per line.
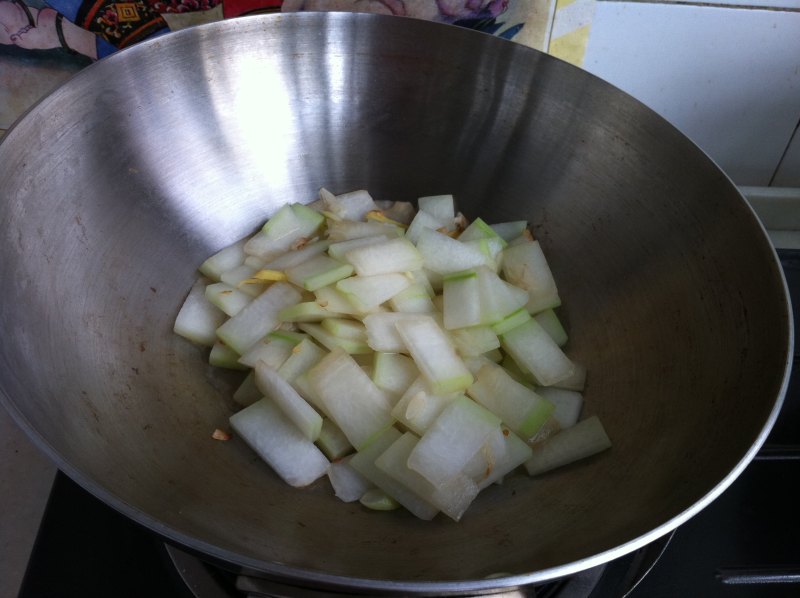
348	485
368	292
422	220
351	399
549	321
364	462
273	349
441	207
378	500
512	320
306	311
478	229
225	259
509	230
294	407
222	356
331	341
394	373
497	298
241	278
432	351
275	439
382	334
491	248
536	352
295	257
413	300
452	497
303	356
399	211
345	328
519	407
247	392
259	317
584	439
349	229
461	304
394	255
198	319
445	255
577	381
317	272
474	340
568	404
290	224
338	251
332	441
452	440
525	266
335	301
227	298
353	205
417	408
501	454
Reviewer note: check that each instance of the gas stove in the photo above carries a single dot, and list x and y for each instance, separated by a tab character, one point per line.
743	545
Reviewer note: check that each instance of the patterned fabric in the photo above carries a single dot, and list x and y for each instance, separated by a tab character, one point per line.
125	23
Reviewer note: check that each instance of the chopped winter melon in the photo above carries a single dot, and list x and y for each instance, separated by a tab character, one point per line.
222	356
568	404
520	408
303	356
582	440
356	405
198	319
394	255
549	321
331	341
332	441
451	497
307	311
344	328
432	351
413	300
368	292
317	272
258	318
536	352
509	230
417	408
441	207
460	304
280	443
354	205
225	259
525	266
348	484
273	349
452	440
444	255
415	310
229	299
293	406
394	372
364	463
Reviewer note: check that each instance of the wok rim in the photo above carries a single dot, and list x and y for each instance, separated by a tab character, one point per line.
302	577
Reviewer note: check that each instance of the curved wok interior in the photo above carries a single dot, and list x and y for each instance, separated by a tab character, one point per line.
116	187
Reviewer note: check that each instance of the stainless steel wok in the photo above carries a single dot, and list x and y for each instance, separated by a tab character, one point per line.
117	186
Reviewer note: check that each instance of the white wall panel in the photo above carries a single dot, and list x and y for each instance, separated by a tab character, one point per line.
729	78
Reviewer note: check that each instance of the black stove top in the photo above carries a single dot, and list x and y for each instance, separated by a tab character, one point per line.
743	545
